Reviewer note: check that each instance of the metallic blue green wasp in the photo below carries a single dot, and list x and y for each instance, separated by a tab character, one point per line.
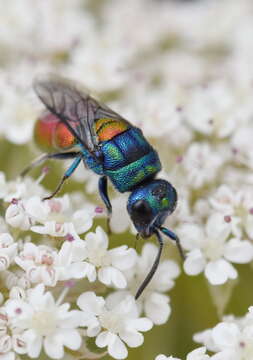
111	147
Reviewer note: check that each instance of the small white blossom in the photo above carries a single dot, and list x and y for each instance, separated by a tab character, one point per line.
210	109
230	339
237	207
12	341
22	188
44	323
107	265
57	217
8	250
17	217
153	302
43	264
113	326
242	143
164	357
197	354
201	164
212	251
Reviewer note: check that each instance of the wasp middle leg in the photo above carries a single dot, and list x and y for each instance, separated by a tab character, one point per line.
67	174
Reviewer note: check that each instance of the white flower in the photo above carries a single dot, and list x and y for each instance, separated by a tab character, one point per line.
110	264
8	250
211	251
153	302
22	188
120	324
12	341
164	357
16	112
233	343
57	216
210	110
17	217
205	338
197	354
242	143
201	164
237	207
43	264
45	323
16	277
230	339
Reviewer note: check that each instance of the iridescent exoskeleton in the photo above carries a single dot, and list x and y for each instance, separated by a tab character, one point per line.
86	130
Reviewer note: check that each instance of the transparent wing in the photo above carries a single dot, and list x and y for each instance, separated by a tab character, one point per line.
74	107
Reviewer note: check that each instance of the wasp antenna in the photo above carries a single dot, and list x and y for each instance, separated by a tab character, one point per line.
154	266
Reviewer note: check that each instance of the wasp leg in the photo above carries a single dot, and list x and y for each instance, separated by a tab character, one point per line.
42	158
154	266
174	237
103	191
67	174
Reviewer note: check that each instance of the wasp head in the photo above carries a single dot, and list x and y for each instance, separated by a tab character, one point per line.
150	204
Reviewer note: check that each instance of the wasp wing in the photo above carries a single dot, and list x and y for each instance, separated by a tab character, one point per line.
75	108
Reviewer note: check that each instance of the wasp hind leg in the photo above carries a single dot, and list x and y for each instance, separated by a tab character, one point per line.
42	158
103	191
68	173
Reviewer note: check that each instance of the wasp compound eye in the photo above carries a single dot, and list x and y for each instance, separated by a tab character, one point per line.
142	210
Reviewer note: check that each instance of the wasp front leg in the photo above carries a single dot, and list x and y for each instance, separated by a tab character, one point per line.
103	191
96	165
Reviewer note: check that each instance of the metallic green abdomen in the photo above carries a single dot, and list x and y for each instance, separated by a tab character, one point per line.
129	159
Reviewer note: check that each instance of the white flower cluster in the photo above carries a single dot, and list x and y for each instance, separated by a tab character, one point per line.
40	245
230	339
182	72
197	354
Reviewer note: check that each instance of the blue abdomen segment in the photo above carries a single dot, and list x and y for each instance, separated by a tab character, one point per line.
129	159
124	149
92	163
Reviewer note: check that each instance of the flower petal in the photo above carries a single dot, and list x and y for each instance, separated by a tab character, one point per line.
117	349
194	263
157	308
219	271
238	251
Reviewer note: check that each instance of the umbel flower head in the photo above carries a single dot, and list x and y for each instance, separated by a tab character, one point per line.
212	251
44	323
181	71
113	326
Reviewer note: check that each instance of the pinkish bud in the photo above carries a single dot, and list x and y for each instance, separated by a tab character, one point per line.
179	159
227	218
99	210
69	237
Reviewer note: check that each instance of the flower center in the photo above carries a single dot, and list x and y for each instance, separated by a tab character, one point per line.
44	322
111	321
214	250
246	350
99	257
